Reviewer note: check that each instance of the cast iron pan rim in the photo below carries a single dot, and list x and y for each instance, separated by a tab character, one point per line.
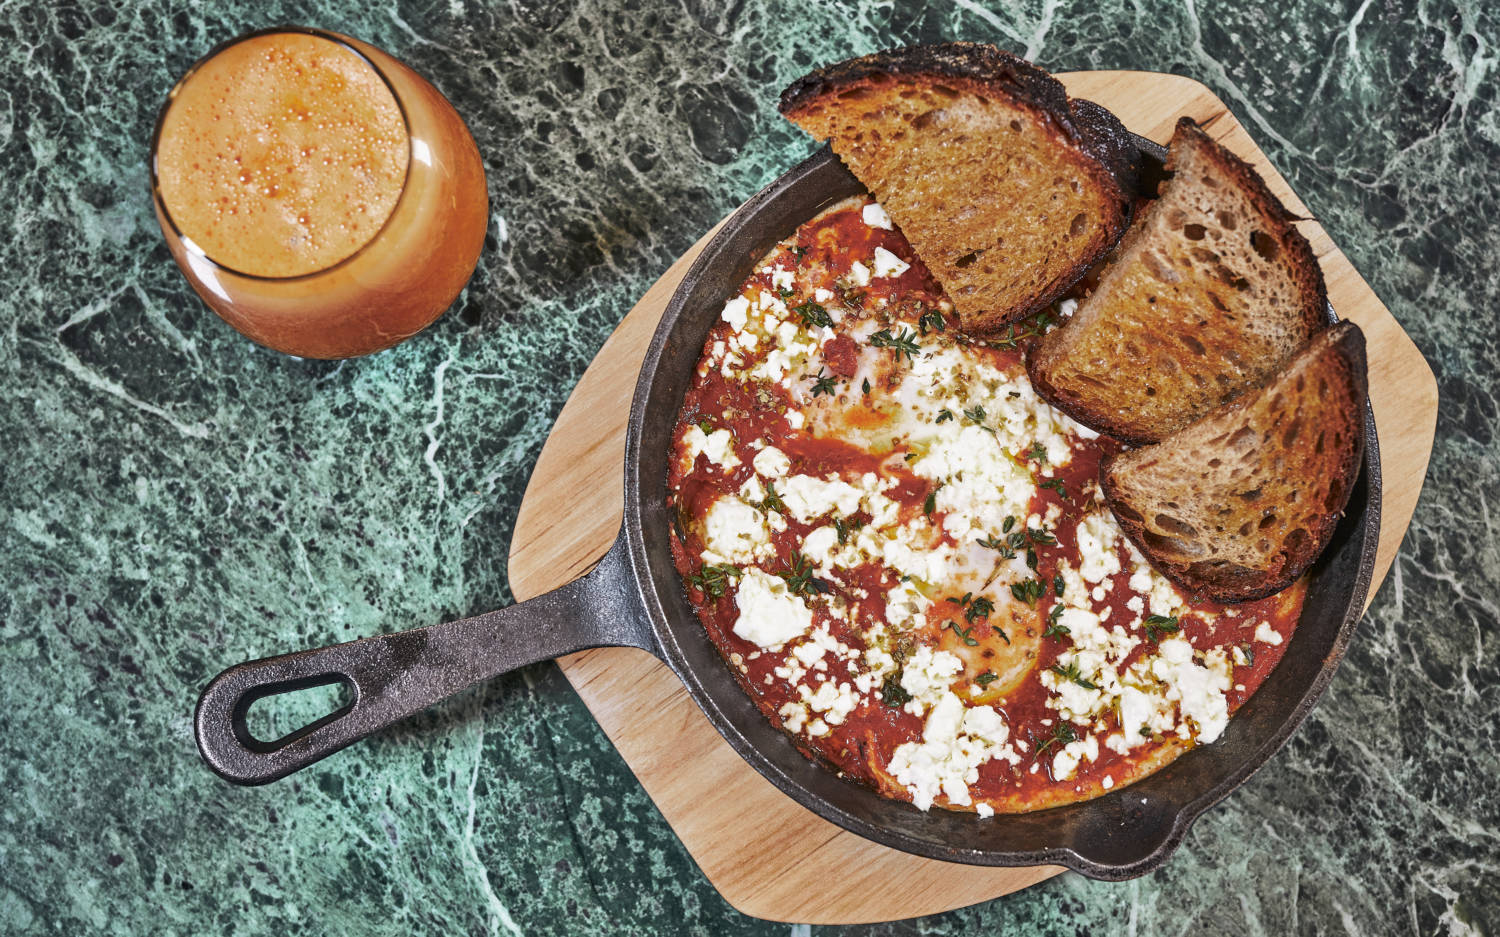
1183	815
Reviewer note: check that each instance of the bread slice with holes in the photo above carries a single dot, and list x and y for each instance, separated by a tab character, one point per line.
1211	290
1239	504
1007	190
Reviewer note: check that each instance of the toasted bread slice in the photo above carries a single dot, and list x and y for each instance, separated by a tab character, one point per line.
1008	191
1239	504
1211	290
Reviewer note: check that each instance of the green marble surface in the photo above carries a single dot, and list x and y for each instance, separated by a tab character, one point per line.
176	499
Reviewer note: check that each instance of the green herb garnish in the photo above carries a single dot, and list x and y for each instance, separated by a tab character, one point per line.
823	383
1072	673
772	501
986	678
799	577
1062	734
1055	629
1032	328
932	320
712	580
964	633
944	415
905	343
891	691
813	315
1028	590
845	527
1158	625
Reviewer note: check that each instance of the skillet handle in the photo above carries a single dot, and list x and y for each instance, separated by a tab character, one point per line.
393	676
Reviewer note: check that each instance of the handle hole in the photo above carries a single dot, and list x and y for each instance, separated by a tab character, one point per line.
280	713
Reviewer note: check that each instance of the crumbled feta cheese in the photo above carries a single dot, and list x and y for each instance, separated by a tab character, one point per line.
835	702
859	274
888	264
771	462
876	217
1265	634
1068	758
821	546
793	716
735	532
718	446
770	615
1097	551
927	676
1198	689
905	606
807	497
737	313
955	742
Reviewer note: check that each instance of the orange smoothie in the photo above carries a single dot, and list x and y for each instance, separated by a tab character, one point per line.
282	155
321	197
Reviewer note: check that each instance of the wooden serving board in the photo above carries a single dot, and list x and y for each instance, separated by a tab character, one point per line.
768	856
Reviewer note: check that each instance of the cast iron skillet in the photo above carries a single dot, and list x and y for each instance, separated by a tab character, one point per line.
634	597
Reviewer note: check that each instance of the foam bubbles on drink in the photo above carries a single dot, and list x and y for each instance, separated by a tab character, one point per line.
268	147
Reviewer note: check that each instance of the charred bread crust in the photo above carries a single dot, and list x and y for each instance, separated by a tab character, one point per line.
1242	585
1112	145
1308	272
983	68
1100	144
960	61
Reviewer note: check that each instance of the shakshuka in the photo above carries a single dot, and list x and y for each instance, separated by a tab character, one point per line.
903	555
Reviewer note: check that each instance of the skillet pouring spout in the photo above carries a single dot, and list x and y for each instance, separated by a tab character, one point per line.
393	676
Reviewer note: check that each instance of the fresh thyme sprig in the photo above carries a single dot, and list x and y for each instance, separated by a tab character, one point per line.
1158	625
823	383
1071	673
813	314
1031	328
905	343
1062	734
965	634
932	320
799	577
772	501
713	580
1055	628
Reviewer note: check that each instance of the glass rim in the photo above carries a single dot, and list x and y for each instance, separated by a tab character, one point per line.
191	246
